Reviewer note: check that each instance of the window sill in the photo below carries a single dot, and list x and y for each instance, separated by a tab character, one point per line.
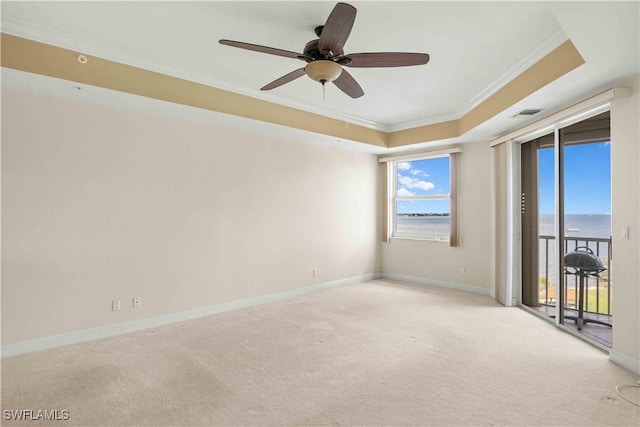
421	239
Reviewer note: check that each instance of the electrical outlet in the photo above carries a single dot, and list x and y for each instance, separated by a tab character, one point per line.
462	271
115	305
315	272
137	302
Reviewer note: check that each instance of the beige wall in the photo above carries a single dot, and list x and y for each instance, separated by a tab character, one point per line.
101	203
436	260
625	159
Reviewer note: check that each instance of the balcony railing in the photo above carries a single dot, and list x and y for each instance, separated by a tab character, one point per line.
597	297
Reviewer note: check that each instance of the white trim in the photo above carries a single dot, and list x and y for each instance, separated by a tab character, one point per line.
542	50
556	230
532	58
628	362
535	134
584	115
493	274
424	237
564	115
437	283
421	122
438	196
420	155
45	343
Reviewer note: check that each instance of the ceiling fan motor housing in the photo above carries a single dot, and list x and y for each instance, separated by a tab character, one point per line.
312	52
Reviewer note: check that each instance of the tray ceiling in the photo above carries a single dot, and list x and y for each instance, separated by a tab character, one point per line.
476	48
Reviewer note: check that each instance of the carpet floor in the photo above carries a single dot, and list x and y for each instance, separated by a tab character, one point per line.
376	353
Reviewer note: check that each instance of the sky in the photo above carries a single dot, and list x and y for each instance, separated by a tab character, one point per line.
423	177
587	179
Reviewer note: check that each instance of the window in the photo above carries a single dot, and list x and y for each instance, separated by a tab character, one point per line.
421	200
421	197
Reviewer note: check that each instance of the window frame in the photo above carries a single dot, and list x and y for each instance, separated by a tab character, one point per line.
390	197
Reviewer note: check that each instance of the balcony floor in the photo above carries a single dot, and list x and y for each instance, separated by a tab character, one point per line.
599	333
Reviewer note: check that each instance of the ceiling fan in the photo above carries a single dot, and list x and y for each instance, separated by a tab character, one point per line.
325	56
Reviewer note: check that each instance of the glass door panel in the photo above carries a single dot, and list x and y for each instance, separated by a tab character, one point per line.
548	277
586	220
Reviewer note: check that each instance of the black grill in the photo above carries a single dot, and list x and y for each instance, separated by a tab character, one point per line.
582	262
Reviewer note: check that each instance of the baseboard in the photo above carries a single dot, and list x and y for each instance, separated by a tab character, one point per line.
437	283
152	322
625	361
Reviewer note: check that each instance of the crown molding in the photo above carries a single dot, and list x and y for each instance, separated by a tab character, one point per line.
527	62
40	34
223	96
422	122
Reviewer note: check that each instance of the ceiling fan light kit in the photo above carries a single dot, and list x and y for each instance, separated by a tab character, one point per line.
323	71
325	56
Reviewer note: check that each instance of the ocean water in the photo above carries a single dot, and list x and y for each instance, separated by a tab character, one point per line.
577	225
432	225
577	232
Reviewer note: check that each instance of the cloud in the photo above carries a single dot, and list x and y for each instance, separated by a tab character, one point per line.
424	185
403	192
410	183
406	166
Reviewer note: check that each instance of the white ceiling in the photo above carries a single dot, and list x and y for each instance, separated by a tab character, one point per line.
475	48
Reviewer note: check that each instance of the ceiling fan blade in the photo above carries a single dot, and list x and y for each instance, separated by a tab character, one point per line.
348	85
284	79
337	28
263	49
386	59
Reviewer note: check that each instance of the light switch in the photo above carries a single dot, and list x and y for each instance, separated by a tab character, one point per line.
624	232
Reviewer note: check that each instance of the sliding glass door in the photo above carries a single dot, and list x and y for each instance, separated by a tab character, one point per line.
566	207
